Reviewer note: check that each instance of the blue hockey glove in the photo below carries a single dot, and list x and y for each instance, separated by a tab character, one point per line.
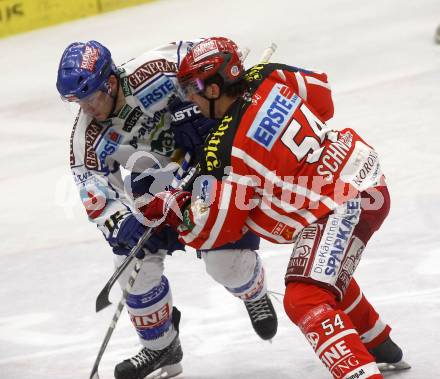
128	232
188	125
125	235
165	238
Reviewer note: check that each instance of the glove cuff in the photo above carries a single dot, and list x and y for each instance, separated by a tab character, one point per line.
183	200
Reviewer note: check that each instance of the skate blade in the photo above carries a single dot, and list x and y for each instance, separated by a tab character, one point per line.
166	372
401	365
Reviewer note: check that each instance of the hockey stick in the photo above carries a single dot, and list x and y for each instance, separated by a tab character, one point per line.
102	301
184	181
182	171
94	374
268	52
244	53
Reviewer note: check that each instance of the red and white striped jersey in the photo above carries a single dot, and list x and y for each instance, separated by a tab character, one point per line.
273	166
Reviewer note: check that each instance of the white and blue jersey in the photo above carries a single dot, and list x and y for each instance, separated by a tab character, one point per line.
138	138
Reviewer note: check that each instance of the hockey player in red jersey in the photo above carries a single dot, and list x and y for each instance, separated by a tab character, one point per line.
126	119
273	166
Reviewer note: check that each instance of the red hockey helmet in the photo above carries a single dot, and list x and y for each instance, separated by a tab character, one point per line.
213	56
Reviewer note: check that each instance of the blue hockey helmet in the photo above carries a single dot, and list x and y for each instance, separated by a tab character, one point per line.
84	68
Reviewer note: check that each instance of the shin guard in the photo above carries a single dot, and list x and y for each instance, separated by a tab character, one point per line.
337	344
240	271
151	315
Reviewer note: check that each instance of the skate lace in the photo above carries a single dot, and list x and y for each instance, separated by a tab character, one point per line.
145	356
258	310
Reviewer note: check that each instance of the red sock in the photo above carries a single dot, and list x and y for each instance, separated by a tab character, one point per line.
329	331
366	320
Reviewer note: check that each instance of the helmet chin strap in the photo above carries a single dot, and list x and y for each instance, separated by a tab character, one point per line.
212	108
211	101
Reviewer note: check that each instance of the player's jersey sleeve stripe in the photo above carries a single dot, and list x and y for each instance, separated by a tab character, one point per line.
317	82
287	207
270	212
247	180
282	75
273	178
302	88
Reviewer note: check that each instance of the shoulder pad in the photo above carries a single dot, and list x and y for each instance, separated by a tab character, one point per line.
259	72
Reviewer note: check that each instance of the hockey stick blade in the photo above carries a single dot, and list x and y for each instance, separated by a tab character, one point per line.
102	301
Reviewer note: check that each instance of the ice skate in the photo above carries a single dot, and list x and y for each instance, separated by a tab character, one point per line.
389	356
154	364
148	363
263	317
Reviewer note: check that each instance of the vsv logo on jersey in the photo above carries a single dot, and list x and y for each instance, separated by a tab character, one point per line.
83	177
273	116
155	91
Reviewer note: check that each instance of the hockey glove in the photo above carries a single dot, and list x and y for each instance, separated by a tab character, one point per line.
166	208
164	238
128	232
189	126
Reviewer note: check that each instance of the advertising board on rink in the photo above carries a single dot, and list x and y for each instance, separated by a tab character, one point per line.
21	16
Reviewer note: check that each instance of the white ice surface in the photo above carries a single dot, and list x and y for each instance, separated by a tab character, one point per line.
385	72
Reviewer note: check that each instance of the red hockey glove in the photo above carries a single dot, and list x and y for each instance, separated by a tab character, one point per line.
166	208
